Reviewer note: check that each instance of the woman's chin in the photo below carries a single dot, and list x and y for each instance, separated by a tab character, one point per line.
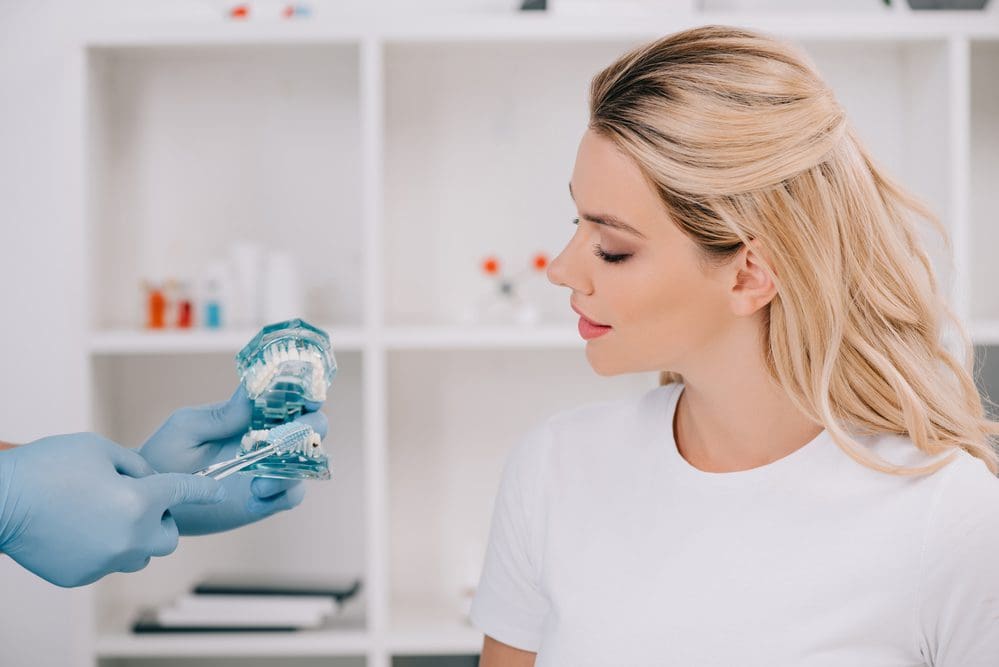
602	364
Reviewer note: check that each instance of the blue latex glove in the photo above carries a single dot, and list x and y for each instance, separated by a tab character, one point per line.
196	437
76	507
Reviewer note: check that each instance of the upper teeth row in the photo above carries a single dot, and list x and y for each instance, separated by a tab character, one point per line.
262	372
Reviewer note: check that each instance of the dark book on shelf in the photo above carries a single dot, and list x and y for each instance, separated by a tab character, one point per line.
340	588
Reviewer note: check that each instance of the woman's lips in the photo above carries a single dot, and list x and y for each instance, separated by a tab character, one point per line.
589	329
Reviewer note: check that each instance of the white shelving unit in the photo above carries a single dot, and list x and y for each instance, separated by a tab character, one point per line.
391	156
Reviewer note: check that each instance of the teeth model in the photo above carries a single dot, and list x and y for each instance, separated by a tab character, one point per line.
284	366
287	354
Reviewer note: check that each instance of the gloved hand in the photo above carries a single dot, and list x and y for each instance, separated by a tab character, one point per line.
196	437
77	507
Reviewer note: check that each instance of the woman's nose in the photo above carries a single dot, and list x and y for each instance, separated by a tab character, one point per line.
555	271
566	271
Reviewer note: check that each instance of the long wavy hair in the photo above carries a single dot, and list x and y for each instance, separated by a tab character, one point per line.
742	139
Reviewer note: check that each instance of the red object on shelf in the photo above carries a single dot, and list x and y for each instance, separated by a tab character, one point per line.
184	315
540	261
239	12
491	266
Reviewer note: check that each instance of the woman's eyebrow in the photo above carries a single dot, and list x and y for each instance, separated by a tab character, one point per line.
608	220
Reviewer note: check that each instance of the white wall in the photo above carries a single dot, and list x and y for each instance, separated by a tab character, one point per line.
41	361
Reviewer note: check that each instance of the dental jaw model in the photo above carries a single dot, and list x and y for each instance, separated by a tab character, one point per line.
286	365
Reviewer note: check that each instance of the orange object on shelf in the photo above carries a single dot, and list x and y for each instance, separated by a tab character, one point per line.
156	306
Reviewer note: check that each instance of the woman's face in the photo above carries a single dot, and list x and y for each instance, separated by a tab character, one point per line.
659	307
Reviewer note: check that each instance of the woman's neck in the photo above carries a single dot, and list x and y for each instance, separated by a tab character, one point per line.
730	427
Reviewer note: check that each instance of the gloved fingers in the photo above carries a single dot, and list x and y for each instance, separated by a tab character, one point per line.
317	420
218	451
134	564
285	500
214	421
126	461
265	488
169	489
165	541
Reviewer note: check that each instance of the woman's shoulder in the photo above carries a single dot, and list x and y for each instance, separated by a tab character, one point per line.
902	450
964	489
967	482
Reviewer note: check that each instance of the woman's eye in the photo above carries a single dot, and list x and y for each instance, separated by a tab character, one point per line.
607	257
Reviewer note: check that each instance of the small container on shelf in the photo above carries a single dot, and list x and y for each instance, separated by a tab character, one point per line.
505	303
185	306
156	304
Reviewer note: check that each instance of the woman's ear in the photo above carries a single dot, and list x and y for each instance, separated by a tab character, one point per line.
752	286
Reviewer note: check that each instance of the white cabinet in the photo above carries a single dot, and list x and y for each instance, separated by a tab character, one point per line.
390	158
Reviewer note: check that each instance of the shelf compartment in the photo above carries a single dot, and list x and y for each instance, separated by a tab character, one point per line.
984	174
220	144
901	110
323	536
453	417
442	218
488	176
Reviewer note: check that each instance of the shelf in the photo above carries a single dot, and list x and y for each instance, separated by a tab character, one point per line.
197	341
344	635
984	332
431	629
416	629
453	417
331	643
123	342
887	25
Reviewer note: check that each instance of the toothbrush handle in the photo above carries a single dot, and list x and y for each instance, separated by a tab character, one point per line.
226	468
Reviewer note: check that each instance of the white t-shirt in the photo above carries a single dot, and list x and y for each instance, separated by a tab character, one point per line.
608	548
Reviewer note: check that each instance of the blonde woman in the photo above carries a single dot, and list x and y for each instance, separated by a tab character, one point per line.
813	485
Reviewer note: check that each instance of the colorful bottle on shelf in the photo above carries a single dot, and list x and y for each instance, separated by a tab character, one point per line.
185	309
156	306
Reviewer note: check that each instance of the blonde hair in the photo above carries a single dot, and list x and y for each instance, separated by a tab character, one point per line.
741	139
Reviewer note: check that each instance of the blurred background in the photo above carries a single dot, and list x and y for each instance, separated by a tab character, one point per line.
173	175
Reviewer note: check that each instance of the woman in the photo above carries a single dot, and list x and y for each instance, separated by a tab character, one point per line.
814	482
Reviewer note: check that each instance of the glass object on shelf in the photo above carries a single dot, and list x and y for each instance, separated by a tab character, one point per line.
504	303
285	365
